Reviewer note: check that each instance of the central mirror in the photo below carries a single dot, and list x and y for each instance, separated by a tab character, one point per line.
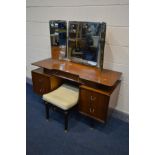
84	42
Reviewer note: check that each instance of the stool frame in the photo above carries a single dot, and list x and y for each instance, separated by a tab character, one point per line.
65	112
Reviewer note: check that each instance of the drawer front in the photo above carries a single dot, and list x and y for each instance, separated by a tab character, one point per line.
84	101
93	104
98	105
66	75
41	83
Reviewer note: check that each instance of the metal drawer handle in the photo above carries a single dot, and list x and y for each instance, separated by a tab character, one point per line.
91	110
56	72
41	90
92	98
40	80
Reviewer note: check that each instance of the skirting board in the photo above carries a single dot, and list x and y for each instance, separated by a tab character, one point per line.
116	114
28	80
120	115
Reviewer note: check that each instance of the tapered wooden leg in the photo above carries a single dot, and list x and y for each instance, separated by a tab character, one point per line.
47	110
66	120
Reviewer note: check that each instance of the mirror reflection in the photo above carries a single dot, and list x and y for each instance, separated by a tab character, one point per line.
58	36
84	42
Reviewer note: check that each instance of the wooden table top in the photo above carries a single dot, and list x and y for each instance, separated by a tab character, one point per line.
105	77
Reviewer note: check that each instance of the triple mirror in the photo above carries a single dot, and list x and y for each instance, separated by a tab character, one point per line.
84	42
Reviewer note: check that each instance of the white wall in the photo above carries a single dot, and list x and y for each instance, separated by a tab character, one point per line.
114	12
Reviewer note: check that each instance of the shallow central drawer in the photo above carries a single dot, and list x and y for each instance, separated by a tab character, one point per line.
66	75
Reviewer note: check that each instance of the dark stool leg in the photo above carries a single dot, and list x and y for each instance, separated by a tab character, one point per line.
47	110
66	120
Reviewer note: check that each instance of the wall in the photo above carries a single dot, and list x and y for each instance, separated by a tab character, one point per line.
113	12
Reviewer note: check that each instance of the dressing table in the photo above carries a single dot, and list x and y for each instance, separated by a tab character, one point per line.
99	89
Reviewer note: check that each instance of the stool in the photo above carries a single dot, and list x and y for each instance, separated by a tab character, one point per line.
64	97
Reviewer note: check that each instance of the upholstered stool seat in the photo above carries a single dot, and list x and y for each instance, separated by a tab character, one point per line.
65	97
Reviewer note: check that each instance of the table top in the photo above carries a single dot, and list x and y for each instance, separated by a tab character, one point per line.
105	76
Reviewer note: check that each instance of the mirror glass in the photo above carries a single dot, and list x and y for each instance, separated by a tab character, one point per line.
84	42
58	36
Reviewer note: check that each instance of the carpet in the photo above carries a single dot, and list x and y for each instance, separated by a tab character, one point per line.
48	137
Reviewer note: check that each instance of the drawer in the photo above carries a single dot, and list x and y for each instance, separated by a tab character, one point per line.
41	83
98	105
66	75
63	75
93	104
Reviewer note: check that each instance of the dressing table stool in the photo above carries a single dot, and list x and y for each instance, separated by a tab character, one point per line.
64	97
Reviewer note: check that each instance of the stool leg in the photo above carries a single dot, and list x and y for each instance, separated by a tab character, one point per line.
66	120
47	110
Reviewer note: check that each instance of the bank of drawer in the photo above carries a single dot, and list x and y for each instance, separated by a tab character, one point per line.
41	83
93	104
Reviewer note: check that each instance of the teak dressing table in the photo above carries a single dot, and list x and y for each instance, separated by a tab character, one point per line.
99	89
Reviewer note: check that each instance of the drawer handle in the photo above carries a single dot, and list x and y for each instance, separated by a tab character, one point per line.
56	72
41	80
91	110
41	90
92	98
